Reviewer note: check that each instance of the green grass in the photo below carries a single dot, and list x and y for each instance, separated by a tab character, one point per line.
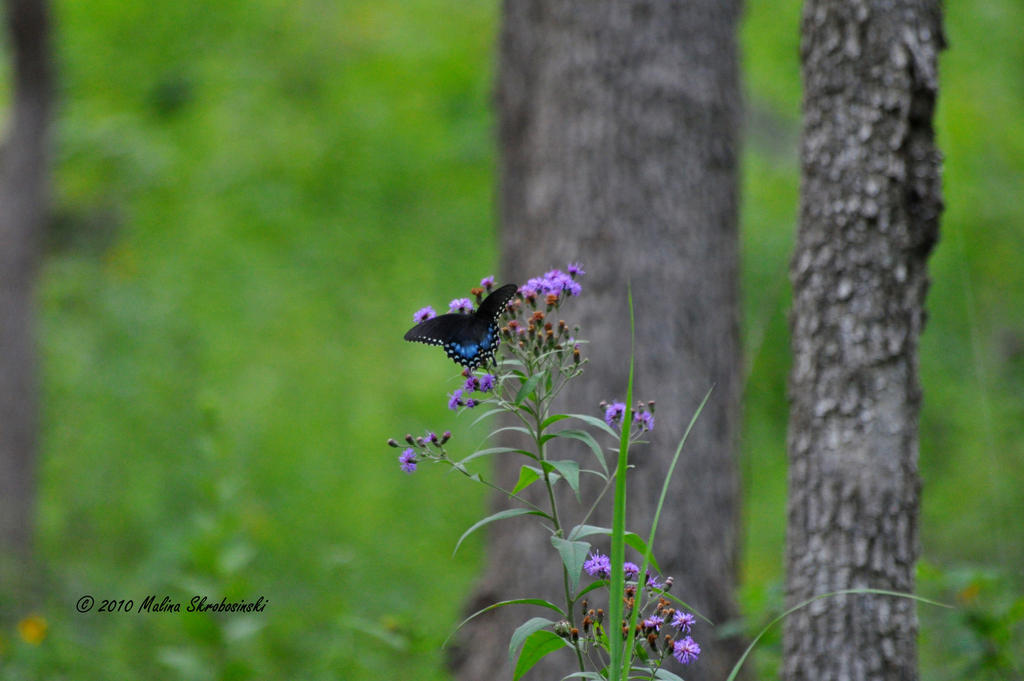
253	197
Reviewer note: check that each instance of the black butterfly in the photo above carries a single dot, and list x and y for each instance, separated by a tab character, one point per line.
468	339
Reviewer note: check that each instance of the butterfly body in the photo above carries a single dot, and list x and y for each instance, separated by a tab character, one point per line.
468	339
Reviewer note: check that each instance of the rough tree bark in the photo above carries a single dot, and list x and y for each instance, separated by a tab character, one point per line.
869	215
619	141
23	201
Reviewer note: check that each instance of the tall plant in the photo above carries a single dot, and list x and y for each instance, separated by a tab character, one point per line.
622	622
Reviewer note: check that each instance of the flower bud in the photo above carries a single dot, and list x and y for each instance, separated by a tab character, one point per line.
392	443
408	438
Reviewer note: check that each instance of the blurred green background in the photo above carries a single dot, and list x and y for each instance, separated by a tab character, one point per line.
252	197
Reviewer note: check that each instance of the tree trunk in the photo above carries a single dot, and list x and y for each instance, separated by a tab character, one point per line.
619	137
23	200
869	214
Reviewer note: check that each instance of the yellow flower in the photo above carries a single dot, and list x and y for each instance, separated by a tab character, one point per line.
32	629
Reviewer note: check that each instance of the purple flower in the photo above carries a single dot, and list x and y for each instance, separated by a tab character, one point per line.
653	622
554	282
470	403
631	570
455	399
575	269
487	283
531	287
598	565
683	621
685	650
653	582
557	281
646	420
471	384
614	412
460	305
407	460
423	314
486	383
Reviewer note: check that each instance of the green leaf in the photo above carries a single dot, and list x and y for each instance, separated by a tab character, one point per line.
581	531
489	412
523	632
596	422
554	418
537	646
574	554
497	450
500	515
804	604
680	602
515	429
666	675
632	539
527	476
584	675
570	470
494	606
528	387
584	437
593	585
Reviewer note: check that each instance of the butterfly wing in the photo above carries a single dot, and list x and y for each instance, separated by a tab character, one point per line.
467	339
495	303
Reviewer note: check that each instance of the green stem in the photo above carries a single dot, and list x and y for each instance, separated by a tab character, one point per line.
539	415
618	552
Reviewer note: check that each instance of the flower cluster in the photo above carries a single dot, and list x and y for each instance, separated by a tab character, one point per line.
642	415
657	617
429	446
484	384
554	283
537	336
